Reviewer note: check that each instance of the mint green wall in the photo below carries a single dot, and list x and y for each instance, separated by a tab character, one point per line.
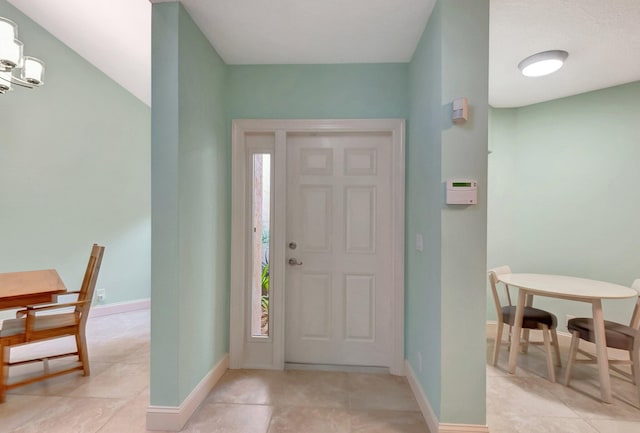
191	179
190	207
465	72
318	91
563	197
165	258
424	198
439	289
445	282
74	170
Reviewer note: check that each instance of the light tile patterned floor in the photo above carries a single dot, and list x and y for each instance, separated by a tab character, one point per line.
528	402
115	397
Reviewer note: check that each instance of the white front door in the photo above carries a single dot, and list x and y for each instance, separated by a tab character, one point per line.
338	306
337	208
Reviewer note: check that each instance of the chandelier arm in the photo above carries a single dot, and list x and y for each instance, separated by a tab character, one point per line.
21	83
18	82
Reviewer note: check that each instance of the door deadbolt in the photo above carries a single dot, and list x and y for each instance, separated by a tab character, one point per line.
293	245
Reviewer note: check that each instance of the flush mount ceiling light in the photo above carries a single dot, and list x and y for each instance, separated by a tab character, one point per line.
16	68
544	63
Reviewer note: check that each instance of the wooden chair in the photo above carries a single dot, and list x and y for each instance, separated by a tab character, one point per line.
533	319
31	326
617	335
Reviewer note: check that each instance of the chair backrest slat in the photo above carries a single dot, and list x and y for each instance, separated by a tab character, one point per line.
635	317
493	281
89	281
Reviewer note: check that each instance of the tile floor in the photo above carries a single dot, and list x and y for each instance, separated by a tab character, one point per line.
527	402
115	397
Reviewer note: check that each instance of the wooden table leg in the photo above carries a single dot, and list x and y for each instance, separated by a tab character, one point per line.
601	351
525	332
517	328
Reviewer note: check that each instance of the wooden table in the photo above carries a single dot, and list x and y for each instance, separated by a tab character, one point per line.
19	289
572	288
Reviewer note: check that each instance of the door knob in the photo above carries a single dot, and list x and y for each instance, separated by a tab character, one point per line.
293	261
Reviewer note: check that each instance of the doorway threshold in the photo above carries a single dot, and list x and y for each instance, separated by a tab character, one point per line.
336	367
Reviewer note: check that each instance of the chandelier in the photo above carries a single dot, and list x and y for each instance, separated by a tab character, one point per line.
16	68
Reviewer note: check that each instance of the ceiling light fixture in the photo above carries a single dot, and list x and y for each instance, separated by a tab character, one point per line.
16	68
544	63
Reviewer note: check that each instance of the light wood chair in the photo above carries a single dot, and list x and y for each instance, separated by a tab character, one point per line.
617	335
533	319
31	326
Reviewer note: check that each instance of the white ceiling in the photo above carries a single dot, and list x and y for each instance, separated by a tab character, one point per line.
312	31
113	35
601	36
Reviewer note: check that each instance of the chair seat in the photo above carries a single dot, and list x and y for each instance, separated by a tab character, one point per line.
531	319
618	336
16	326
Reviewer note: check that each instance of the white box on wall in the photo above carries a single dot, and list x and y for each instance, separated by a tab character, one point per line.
462	191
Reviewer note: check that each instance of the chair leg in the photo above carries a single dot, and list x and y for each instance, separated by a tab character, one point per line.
573	352
547	348
4	366
633	368
635	365
556	346
524	346
496	349
81	344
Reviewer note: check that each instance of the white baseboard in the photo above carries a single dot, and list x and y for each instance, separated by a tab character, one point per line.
429	415
463	428
171	418
564	338
564	341
423	402
120	307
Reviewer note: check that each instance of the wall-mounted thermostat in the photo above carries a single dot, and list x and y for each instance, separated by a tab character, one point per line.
462	191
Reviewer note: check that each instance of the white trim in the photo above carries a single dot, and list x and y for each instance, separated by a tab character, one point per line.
238	349
279	254
397	253
463	428
423	402
171	418
564	340
119	307
237	265
316	125
430	416
340	368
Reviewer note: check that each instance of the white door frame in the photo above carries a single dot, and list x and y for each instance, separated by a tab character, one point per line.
259	352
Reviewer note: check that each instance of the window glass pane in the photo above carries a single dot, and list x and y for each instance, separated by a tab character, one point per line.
260	224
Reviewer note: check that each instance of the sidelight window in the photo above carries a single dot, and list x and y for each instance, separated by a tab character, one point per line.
260	244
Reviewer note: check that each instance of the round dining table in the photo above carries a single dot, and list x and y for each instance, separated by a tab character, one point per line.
572	288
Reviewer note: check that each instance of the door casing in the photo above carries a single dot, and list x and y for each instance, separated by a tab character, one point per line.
268	353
